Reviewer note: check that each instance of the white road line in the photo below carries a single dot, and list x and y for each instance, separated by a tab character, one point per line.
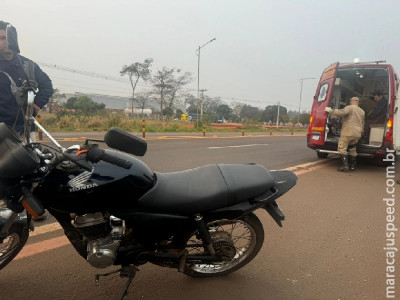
237	146
45	229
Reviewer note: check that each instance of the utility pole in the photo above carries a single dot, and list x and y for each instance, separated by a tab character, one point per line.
198	76
277	118
201	103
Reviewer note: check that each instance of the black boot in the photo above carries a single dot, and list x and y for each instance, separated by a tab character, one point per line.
345	162
352	163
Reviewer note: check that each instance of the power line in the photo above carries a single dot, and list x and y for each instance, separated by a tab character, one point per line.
64	82
86	73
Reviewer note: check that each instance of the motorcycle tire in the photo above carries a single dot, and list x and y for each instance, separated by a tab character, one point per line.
13	244
238	240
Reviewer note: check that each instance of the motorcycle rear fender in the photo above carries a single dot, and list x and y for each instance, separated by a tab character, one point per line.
283	181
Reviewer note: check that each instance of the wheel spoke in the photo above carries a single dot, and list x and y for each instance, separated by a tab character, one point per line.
237	233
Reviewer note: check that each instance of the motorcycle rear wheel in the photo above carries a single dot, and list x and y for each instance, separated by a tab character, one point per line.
245	234
13	244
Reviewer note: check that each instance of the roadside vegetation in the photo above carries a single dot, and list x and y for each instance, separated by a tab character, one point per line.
166	106
105	120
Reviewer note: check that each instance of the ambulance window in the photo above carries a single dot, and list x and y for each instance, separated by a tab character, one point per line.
323	92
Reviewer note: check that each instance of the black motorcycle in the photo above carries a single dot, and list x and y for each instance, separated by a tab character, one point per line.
116	211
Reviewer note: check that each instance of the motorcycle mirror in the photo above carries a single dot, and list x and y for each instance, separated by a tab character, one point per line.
12	38
118	139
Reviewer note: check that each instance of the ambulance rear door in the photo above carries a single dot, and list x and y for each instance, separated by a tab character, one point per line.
321	100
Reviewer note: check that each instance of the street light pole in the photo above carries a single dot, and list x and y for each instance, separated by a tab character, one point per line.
202	101
198	76
301	91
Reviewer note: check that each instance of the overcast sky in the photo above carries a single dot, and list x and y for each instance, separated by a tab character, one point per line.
261	51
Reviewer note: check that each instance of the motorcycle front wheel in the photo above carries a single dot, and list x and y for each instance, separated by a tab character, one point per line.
12	244
237	242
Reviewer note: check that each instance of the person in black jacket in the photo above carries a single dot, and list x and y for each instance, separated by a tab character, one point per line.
14	68
376	117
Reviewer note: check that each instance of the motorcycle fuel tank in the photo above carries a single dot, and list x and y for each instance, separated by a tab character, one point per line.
69	188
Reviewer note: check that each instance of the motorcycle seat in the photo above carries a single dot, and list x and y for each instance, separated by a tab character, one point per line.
206	188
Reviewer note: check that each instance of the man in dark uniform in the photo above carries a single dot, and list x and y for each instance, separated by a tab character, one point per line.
14	70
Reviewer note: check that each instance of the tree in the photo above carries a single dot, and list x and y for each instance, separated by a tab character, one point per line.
70	104
270	113
304	118
249	112
176	85
142	100
162	82
55	100
84	105
210	104
190	100
135	72
236	109
192	109
168	112
224	110
179	114
168	84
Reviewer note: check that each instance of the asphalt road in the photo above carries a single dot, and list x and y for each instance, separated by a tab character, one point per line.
280	150
331	245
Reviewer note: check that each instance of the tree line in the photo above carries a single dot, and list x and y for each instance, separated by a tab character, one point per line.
167	88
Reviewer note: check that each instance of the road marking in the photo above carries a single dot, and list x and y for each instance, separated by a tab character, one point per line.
43	246
45	229
308	167
238	146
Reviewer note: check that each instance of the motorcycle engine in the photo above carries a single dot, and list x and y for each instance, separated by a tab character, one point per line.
104	234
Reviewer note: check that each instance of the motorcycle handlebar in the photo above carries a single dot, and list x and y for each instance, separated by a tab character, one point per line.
96	154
